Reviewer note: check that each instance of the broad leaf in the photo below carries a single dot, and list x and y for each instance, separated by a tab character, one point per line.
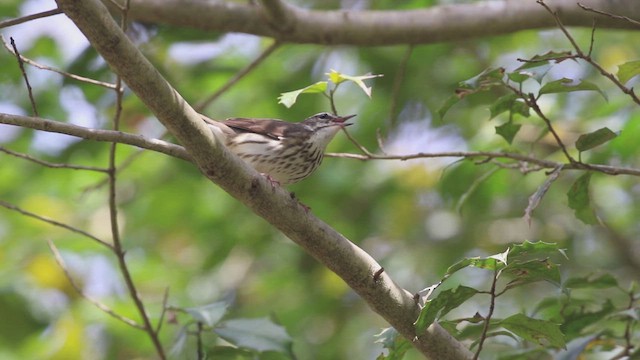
396	344
532	271
289	98
542	332
494	262
338	78
440	305
578	318
565	85
545	59
534	200
444	108
486	80
508	131
509	103
628	70
256	334
538	249
579	199
603	281
209	314
593	139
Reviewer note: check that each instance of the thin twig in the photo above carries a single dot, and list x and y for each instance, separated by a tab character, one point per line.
140	141
357	144
533	103
49	164
200	106
23	19
613	16
487	319
24	75
93	301
543	164
63	73
199	345
588	59
163	313
118	249
54	223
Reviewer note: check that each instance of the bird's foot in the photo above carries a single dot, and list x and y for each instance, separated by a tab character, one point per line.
274	183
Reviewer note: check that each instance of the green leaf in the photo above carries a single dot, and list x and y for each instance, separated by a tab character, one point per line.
508	131
289	98
256	334
509	103
219	352
578	318
440	305
628	70
528	250
532	271
588	282
396	344
209	314
486	80
534	200
494	262
593	139
568	85
579	200
444	108
545	59
338	78
542	332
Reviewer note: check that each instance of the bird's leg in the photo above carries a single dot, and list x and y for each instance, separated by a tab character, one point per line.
274	183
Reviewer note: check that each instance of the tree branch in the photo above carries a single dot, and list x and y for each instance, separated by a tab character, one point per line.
275	205
35	123
374	28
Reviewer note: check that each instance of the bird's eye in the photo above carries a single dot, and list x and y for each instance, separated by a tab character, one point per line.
323	116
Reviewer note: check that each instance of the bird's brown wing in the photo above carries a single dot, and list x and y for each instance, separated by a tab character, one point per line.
272	128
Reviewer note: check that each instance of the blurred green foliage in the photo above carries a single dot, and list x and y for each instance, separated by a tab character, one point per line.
417	218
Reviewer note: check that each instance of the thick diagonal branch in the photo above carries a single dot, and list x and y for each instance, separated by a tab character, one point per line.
374	28
350	262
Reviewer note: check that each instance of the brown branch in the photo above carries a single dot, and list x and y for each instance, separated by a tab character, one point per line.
20	20
487	319
140	141
54	223
278	14
24	75
587	57
118	248
543	164
49	164
106	309
613	16
374	28
179	152
533	103
63	73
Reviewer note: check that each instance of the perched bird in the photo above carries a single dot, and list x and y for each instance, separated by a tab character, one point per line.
285	152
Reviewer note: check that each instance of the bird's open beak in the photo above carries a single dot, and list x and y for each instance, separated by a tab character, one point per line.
342	120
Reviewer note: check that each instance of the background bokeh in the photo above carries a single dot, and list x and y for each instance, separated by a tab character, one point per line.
184	234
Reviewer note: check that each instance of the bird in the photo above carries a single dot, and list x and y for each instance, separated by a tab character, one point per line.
285	152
